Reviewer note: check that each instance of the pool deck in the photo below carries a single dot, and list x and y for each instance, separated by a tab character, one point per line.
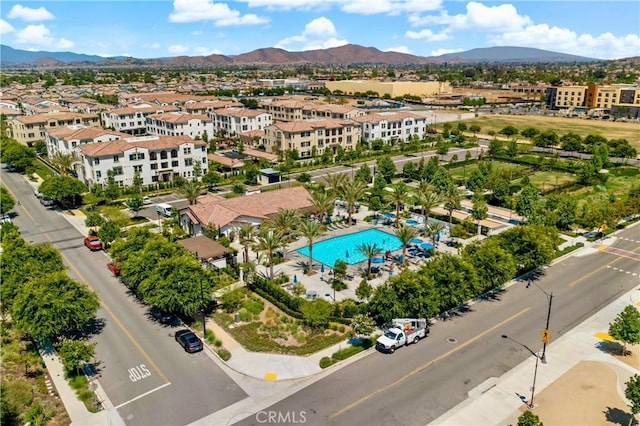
319	282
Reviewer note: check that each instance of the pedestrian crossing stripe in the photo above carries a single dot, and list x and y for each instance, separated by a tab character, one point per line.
604	336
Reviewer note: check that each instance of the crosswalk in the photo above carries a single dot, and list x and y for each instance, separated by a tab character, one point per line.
624	271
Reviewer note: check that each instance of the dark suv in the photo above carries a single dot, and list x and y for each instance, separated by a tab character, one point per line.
189	341
163	317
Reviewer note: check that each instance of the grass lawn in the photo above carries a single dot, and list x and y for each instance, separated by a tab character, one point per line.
550	179
615	185
608	129
459	172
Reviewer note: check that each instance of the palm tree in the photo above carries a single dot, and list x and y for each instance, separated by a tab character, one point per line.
452	200
433	229
405	234
323	202
191	189
310	230
63	162
335	182
269	241
369	250
352	192
427	201
246	233
285	221
398	195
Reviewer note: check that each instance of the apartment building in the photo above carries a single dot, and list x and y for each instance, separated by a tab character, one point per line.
32	128
206	107
391	88
155	158
392	126
290	110
68	139
179	123
305	136
593	96
233	121
133	120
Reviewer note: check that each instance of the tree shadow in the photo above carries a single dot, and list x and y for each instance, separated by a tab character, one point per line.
92	328
456	312
618	416
612	348
494	295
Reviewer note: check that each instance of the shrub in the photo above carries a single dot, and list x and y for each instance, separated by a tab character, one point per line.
345	353
224	354
325	362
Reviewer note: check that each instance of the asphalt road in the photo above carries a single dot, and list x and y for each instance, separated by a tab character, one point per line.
144	372
418	383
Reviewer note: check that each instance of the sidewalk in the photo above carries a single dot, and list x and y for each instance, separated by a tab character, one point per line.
572	369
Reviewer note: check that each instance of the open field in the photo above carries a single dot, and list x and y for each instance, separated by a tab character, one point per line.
583	127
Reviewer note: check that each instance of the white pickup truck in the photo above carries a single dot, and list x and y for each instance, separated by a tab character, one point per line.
403	331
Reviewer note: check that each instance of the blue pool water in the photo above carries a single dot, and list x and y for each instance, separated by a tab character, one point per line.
344	247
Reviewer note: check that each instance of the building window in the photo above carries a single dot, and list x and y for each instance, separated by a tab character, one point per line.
96	161
174	163
137	168
188	162
116	158
154	166
186	150
164	165
117	171
153	156
174	153
98	174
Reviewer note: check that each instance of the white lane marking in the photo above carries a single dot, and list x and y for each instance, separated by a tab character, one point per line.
142	395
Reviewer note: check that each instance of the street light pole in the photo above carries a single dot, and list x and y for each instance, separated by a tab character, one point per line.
535	371
543	358
204	317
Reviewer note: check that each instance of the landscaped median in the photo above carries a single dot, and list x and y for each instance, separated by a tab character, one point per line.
356	345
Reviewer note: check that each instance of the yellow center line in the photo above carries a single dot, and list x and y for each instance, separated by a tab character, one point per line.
104	306
425	366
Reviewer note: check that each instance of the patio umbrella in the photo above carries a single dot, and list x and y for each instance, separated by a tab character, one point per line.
347	254
377	260
416	241
322	268
426	246
295	278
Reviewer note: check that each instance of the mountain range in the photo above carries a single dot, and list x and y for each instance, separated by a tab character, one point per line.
343	55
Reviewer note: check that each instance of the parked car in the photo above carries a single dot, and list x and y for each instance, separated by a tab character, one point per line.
113	267
37	193
163	317
189	341
93	243
146	200
5	218
47	202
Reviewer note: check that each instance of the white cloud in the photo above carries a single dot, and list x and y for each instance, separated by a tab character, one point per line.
427	35
542	36
206	10
6	27
178	48
394	7
499	18
155	46
439	52
399	49
28	14
317	34
40	36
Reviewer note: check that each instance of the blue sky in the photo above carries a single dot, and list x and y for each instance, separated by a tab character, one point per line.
152	29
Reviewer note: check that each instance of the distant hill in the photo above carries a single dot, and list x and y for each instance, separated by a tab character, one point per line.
511	54
343	55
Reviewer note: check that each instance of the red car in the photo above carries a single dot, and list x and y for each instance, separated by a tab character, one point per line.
93	243
113	267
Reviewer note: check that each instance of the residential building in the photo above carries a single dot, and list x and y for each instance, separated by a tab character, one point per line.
392	126
337	112
132	120
32	128
68	139
205	107
287	110
229	214
307	136
233	121
179	123
592	96
155	158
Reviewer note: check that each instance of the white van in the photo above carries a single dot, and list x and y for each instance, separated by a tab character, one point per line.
164	209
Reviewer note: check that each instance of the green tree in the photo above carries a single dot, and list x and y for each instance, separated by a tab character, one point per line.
626	327
531	246
94	220
135	204
339	270
455	280
432	229
398	195
364	290
335	182
109	232
452	199
16	154
600	156
63	162
64	189
316	313
493	264
364	174
48	306
6	200
479	210
508	131
111	191
386	168
529	419
527	202
427	201
323	202
74	353
286	222
571	142
512	149
529	132
442	180
632	392
546	139
310	230
246	234
496	147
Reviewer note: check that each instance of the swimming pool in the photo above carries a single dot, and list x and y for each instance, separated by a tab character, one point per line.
344	247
